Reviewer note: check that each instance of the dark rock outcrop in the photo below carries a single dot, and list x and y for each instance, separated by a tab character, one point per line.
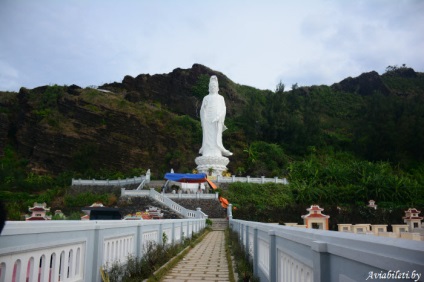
365	84
65	128
148	122
404	72
4	125
87	135
175	90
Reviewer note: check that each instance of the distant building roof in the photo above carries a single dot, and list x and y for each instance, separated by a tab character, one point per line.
315	212
412	213
39	207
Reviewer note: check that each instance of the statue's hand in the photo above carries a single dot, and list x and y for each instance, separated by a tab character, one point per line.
216	119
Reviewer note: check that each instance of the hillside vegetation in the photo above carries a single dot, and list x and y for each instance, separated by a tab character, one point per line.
358	139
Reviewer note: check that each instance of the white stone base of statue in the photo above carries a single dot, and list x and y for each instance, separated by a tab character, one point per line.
218	164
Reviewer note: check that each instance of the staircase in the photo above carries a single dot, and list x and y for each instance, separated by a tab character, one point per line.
219	223
132	205
212	208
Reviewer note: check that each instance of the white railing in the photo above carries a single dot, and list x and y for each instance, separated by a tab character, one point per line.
176	207
75	250
143	179
214	196
165	200
141	193
146	179
248	179
135	193
281	253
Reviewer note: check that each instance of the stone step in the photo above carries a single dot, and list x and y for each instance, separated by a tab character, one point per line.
219	223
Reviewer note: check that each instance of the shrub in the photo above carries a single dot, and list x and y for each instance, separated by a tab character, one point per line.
244	267
208	222
154	256
86	199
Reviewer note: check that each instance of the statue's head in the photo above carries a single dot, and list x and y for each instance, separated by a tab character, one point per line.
213	85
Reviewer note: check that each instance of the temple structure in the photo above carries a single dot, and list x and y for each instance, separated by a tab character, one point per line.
411	230
371	204
412	219
315	218
38	212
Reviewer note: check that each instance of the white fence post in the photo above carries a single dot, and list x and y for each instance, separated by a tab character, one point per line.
230	211
272	256
255	250
319	258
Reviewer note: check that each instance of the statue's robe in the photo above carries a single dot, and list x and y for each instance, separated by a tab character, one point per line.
212	115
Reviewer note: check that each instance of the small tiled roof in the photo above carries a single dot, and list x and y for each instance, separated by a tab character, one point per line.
413	210
413	217
317	215
314	208
315	211
409	214
97	204
39	209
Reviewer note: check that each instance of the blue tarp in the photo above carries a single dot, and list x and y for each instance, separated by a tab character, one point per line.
186	177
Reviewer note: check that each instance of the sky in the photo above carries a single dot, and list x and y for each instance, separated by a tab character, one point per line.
255	43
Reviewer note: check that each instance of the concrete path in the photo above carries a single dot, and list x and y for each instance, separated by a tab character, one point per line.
205	262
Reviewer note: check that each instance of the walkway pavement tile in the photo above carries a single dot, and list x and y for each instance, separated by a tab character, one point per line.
205	262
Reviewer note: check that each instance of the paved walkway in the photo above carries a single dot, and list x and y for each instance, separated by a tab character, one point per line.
205	262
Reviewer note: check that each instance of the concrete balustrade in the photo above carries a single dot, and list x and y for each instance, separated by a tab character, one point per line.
142	193
143	179
248	179
282	253
193	196
118	182
75	250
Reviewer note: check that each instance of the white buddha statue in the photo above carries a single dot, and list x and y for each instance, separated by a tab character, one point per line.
212	116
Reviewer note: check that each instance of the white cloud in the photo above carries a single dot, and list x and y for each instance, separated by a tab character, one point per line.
254	43
8	76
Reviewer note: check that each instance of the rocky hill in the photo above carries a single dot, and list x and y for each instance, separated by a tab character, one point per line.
152	122
143	122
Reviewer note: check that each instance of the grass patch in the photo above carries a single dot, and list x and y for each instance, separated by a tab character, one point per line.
228	255
243	265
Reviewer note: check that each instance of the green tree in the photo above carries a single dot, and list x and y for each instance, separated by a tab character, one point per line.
280	87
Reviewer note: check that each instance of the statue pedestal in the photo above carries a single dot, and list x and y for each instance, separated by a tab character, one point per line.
217	163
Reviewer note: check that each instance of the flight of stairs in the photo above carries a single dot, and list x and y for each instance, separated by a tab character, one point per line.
219	223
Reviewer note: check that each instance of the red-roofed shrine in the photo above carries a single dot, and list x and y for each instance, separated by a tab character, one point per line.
315	218
38	212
